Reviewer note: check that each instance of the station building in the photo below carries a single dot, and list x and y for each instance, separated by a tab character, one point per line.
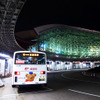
62	42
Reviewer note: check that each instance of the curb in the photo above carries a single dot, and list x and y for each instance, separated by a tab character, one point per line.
2	86
66	70
1	83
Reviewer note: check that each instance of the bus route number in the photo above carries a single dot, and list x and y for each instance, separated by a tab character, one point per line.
27	68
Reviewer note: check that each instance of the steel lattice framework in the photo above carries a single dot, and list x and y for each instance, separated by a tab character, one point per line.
9	11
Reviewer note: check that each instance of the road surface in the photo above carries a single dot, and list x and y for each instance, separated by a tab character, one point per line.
69	85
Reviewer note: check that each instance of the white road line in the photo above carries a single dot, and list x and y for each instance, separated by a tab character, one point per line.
85	93
10	95
79	80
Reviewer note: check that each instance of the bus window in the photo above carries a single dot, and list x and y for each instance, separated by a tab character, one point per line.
20	59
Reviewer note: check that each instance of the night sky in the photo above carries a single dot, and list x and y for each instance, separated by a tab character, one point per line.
79	13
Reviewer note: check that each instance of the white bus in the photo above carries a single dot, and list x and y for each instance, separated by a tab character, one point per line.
50	65
29	68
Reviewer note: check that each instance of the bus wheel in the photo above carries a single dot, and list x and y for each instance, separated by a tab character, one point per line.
13	86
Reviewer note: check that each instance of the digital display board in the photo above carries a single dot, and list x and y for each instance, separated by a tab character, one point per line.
30	54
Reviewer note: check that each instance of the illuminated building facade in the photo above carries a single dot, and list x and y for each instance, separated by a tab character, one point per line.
68	42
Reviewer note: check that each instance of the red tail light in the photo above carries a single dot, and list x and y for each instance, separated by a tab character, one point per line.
42	72
17	73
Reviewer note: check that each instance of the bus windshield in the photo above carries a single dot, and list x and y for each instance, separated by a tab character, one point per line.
29	58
